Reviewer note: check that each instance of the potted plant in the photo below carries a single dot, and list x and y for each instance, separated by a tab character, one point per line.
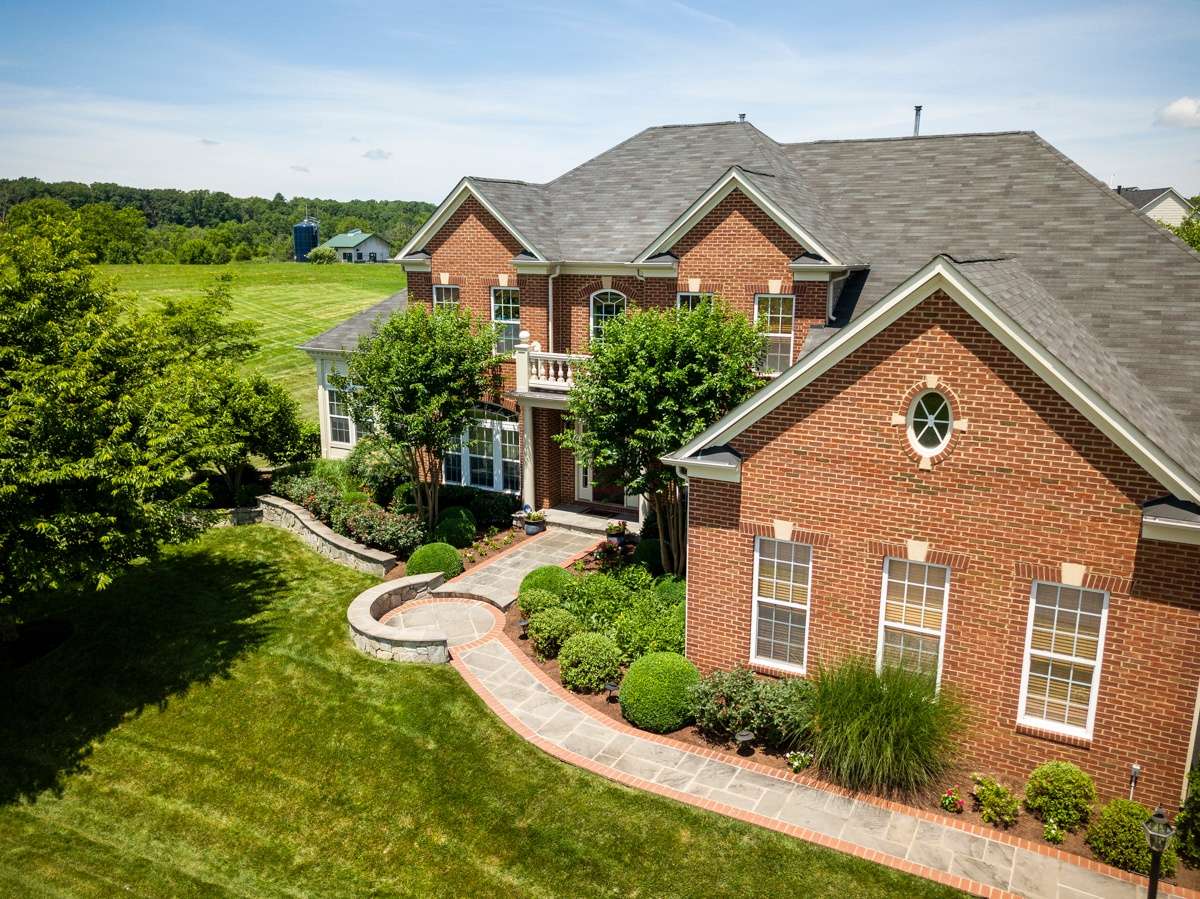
616	532
535	523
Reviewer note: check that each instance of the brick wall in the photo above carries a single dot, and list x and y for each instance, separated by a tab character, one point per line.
547	458
1028	486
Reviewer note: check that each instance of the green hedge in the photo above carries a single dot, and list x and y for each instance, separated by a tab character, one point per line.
649	625
654	693
1187	824
588	661
1060	792
548	577
533	601
550	629
456	526
1117	836
435	557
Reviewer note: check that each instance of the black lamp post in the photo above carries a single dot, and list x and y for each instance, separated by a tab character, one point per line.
1158	834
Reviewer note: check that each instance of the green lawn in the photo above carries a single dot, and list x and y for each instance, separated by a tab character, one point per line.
208	730
291	302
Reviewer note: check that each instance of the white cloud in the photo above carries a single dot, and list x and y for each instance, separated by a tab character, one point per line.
1182	113
377	154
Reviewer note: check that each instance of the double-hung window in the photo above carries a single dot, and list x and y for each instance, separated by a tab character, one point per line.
445	296
1064	642
782	582
690	300
606	305
339	417
347	257
487	455
506	312
912	616
777	314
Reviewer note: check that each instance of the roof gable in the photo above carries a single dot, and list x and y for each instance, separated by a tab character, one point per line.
1009	306
465	188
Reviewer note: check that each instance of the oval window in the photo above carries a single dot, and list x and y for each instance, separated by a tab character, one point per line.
930	422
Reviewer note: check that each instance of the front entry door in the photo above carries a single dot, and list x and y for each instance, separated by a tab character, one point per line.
593	486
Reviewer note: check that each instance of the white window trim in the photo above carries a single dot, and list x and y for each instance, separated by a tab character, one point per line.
917	446
497	425
791	336
592	309
1056	726
755	659
505	321
452	289
940	633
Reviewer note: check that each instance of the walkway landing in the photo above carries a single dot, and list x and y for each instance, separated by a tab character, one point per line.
497	581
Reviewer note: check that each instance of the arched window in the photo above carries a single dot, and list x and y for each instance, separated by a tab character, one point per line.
929	423
488	453
606	305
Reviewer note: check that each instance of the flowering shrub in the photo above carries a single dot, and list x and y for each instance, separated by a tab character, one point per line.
1052	833
798	761
995	803
952	801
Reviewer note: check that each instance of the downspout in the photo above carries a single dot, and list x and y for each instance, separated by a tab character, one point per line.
829	304
550	310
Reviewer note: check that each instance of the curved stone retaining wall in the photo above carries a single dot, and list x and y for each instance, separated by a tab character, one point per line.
414	644
283	514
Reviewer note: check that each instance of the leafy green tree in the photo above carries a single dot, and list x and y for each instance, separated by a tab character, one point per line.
1189	232
110	234
37	211
418	379
654	381
93	451
196	252
322	256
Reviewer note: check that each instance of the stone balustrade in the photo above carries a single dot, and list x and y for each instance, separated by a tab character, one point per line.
383	641
537	370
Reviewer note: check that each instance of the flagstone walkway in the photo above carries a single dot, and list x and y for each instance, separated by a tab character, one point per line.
976	860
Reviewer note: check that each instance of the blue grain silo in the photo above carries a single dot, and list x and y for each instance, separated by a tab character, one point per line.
305	236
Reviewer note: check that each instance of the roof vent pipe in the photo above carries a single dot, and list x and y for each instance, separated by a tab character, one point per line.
916	121
741	117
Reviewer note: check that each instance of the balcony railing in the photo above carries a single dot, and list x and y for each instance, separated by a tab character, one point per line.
543	371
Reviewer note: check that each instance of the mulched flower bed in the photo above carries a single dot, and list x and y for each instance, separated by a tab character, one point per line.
484	549
1027	827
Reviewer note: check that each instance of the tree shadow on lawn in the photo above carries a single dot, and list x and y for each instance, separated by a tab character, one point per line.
148	637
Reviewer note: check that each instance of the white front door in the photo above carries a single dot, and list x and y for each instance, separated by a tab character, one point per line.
589	490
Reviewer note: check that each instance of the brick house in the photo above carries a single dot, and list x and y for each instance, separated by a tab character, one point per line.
977	450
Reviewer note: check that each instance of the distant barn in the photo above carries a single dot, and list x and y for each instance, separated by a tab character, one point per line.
359	246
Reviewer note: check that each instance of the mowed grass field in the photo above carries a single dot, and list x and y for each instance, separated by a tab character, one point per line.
290	301
209	730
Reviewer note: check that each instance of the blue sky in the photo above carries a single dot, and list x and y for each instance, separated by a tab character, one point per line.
397	100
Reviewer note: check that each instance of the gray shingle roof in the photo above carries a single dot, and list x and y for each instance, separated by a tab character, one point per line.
1140	197
345	337
1130	283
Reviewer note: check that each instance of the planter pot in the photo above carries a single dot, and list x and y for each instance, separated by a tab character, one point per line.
616	539
534	527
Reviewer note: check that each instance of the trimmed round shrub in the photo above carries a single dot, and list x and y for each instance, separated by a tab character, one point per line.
649	625
649	554
549	629
1117	837
1060	792
588	661
533	601
672	589
891	732
548	577
654	693
597	600
456	526
493	509
435	557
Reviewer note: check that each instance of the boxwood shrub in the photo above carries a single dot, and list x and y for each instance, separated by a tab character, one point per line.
1060	792
888	732
533	601
548	577
597	600
649	625
455	526
654	694
435	557
1118	838
588	661
549	629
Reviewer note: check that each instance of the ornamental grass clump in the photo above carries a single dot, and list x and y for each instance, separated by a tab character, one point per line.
1060	792
891	732
588	661
1117	836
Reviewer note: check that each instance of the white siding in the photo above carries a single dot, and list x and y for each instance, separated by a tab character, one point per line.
371	245
1168	209
327	365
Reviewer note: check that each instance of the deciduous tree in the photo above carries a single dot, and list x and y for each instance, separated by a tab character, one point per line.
654	381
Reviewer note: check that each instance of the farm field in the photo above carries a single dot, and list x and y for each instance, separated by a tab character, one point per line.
291	302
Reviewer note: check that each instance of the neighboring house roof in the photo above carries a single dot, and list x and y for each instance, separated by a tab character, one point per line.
350	240
1143	197
344	338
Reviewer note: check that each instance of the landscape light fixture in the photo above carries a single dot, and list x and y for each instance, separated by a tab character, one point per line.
611	688
744	738
523	624
1158	834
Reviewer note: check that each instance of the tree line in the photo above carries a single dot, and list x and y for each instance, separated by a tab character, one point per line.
162	225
